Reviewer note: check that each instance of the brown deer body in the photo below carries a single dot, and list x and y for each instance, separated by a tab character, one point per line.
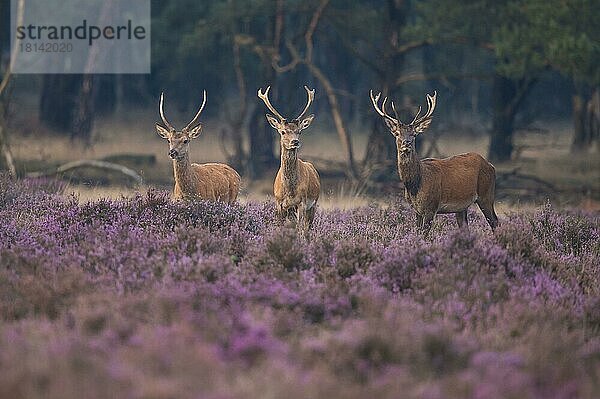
209	181
297	184
435	186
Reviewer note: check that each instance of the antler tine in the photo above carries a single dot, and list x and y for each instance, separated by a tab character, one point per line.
396	113
431	102
265	97
381	111
191	124
416	116
162	112
311	96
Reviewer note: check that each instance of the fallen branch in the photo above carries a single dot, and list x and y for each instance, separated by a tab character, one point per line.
90	164
505	176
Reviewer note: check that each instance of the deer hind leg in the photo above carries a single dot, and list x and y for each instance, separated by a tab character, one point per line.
486	204
487	208
487	192
311	215
461	218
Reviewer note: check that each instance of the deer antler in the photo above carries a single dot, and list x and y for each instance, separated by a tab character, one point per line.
311	96
381	111
162	112
191	124
431	100
265	97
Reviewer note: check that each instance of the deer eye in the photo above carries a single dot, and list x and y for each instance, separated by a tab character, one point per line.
186	141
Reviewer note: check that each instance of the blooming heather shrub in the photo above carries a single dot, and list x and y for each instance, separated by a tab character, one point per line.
145	297
353	256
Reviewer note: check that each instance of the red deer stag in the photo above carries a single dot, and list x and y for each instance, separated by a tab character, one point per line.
209	181
297	185
433	186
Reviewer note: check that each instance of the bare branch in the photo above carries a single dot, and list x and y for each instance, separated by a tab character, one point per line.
405	48
415	77
310	31
13	56
91	164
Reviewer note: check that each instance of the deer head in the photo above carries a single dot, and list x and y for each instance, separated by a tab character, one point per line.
179	140
288	130
405	133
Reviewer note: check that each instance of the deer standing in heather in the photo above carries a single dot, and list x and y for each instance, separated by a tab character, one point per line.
297	184
209	181
435	186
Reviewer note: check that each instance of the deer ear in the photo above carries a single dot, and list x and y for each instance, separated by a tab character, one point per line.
274	122
306	122
195	132
162	132
421	127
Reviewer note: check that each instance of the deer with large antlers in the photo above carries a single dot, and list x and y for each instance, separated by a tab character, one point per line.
209	181
435	186
297	184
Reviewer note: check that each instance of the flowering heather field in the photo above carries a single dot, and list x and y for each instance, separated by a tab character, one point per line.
146	298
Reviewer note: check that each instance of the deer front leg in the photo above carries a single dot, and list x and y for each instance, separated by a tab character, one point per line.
461	218
302	214
427	223
419	220
280	214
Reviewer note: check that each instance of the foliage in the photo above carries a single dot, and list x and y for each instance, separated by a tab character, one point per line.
526	36
145	297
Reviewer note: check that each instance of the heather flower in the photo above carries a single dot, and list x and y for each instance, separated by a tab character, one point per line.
146	297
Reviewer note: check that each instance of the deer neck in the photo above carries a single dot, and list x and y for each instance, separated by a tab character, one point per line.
409	169
289	167
182	171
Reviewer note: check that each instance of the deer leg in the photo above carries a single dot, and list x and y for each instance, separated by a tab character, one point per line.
293	216
427	222
419	220
311	215
461	218
303	218
282	214
487	208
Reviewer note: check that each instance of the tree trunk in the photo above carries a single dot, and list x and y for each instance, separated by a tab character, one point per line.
83	119
337	118
504	91
586	119
105	94
6	160
57	100
381	146
262	157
